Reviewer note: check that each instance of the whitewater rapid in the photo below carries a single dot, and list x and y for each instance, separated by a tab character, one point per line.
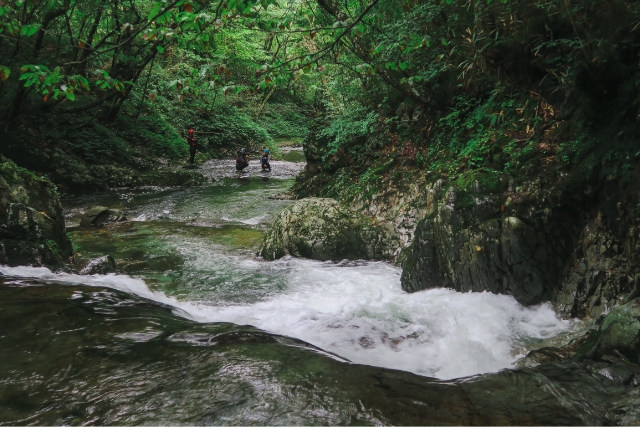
358	311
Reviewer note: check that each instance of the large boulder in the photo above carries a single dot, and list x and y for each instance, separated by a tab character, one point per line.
323	229
470	242
32	227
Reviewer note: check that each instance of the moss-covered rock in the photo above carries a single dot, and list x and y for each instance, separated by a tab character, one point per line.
324	229
618	335
32	228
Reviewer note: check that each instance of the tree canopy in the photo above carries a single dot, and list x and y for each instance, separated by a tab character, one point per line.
436	67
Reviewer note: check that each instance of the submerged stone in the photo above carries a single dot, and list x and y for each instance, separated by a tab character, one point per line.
323	229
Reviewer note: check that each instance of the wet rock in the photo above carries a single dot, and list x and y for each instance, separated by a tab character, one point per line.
101	265
100	215
464	247
115	215
95	215
619	334
133	266
32	228
164	263
324	229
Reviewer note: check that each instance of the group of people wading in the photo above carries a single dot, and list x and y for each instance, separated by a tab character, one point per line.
242	155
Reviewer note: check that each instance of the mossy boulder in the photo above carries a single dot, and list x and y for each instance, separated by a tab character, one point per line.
618	335
32	227
323	229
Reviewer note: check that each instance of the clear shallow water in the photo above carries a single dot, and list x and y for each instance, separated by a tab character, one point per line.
193	249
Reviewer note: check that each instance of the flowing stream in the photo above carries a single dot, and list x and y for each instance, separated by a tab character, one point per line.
198	329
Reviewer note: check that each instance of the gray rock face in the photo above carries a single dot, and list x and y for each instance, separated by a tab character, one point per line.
581	253
32	228
476	248
101	265
606	267
323	229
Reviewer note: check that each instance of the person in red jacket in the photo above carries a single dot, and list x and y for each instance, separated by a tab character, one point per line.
193	144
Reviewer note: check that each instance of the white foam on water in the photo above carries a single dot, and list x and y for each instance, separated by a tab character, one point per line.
251	221
359	312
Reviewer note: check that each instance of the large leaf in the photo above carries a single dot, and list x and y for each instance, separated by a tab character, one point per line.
29	30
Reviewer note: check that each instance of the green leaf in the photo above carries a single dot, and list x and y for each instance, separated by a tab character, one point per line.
5	72
29	30
160	49
157	7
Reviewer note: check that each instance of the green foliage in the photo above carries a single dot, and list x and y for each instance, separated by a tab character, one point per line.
283	120
153	134
348	133
232	128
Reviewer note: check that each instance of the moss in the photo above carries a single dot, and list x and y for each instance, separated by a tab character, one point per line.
480	181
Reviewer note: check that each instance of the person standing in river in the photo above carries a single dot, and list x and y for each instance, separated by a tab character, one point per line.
192	141
242	159
264	161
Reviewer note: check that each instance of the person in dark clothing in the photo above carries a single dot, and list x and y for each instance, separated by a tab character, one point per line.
242	159
264	161
193	145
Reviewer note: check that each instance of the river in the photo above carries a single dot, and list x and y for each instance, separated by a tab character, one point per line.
197	329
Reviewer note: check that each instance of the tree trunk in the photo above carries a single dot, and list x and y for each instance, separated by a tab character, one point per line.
115	108
50	16
89	43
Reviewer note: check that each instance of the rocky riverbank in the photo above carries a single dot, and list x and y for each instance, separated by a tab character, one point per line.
548	235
